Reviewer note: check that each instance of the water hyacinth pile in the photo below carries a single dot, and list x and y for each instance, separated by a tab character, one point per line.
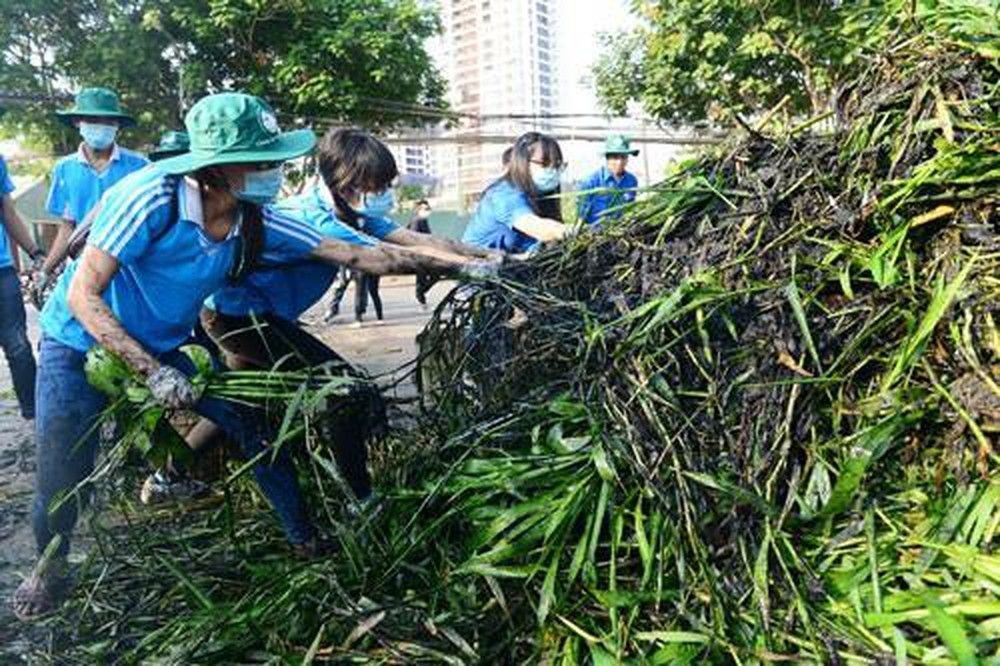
752	422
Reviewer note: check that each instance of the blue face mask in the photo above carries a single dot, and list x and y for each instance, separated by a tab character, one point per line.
261	187
546	179
97	135
377	204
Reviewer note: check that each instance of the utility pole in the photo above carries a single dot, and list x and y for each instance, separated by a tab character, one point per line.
645	151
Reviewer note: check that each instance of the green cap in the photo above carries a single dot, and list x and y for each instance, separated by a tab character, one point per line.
96	102
618	144
171	144
234	128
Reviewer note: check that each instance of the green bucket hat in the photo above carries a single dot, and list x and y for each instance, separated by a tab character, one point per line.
171	144
234	128
98	103
619	144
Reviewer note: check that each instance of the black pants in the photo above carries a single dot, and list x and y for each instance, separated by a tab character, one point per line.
351	422
14	340
366	285
424	283
339	288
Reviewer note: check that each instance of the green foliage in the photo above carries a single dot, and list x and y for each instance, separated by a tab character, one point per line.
312	59
693	60
412	192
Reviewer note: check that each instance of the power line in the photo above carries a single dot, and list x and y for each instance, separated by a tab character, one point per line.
32	98
559	131
467	139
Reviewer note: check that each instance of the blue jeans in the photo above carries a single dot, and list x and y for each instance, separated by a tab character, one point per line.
14	340
66	440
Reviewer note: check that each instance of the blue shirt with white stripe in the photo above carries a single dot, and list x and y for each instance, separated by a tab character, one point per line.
492	225
606	194
6	187
152	223
77	187
288	291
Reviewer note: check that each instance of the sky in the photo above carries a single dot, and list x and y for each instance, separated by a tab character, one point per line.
580	22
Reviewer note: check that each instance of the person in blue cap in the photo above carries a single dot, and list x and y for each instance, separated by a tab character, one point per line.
611	186
163	240
13	328
521	208
80	179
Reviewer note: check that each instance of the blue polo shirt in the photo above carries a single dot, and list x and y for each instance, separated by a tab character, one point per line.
152	223
77	187
6	187
492	225
288	290
610	193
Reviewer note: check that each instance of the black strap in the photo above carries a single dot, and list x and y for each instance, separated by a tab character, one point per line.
249	244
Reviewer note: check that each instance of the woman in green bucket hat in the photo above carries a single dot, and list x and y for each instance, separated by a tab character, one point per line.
80	179
162	241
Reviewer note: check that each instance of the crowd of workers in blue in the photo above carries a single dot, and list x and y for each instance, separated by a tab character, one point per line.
194	244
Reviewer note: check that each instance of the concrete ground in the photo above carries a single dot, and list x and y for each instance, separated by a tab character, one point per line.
380	349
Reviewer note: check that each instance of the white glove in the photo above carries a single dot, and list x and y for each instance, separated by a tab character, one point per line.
171	388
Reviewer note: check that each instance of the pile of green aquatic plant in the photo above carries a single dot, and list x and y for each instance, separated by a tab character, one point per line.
752	422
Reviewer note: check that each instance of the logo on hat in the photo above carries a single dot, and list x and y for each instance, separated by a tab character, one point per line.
269	122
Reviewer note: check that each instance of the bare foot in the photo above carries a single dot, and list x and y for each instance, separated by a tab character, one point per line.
41	592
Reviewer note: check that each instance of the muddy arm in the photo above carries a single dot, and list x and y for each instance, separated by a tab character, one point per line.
93	275
409	238
385	259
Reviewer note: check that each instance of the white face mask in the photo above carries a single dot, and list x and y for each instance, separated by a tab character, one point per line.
98	135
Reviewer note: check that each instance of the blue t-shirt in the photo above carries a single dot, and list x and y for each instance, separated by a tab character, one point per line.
76	187
6	187
287	291
492	225
152	223
610	193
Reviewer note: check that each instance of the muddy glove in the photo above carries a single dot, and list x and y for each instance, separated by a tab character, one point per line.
37	261
41	284
171	388
481	270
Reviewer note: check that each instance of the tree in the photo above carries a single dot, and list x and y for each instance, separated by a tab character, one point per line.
693	60
411	192
316	61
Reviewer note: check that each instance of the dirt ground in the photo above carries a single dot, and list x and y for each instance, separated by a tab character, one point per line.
380	349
